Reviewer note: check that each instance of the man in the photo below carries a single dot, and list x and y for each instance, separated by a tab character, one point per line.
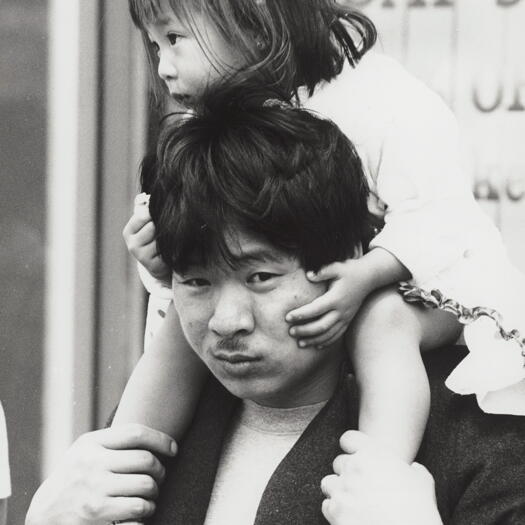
247	198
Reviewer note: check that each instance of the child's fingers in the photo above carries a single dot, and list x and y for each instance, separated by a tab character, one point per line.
316	308
142	212
136	223
142	199
148	254
328	272
143	237
316	327
325	339
157	260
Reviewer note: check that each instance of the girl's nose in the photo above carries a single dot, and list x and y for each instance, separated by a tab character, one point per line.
166	68
232	314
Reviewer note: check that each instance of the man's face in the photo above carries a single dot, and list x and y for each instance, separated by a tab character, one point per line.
234	320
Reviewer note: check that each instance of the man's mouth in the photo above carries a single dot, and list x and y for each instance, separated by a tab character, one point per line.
234	357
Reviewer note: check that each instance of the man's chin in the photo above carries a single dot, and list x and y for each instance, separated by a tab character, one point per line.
239	384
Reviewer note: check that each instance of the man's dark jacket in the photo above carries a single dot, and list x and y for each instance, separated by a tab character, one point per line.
478	460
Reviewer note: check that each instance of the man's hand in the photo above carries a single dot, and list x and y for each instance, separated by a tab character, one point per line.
370	486
326	319
107	475
139	235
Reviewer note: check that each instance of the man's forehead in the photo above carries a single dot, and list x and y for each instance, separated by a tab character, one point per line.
245	249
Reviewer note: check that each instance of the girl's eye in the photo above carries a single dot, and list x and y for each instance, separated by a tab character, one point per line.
197	282
261	277
172	38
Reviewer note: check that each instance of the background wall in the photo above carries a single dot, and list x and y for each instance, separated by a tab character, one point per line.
23	111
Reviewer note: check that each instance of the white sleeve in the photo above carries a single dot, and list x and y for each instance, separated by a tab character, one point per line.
430	207
155	287
158	303
5	475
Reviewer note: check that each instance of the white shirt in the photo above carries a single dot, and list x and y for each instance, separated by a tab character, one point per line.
5	477
408	141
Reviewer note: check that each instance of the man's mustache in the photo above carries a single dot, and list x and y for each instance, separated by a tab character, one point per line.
232	344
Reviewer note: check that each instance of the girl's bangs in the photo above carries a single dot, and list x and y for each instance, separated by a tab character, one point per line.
145	12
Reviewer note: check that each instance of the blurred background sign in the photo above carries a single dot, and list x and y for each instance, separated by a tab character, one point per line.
472	52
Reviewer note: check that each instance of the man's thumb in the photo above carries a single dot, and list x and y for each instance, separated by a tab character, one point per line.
353	440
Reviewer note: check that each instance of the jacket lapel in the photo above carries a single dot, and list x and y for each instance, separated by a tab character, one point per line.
186	491
293	494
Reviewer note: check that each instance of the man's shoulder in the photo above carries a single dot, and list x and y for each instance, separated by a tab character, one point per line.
473	456
441	361
460	413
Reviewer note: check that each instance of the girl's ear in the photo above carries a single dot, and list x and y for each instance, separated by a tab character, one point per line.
260	43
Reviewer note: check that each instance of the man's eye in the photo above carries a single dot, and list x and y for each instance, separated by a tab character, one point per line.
261	277
172	38
196	282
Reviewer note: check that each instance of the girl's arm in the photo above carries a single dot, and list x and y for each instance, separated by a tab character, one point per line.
382	268
164	388
385	343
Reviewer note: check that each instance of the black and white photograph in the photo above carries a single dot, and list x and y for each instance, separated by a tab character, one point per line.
262	262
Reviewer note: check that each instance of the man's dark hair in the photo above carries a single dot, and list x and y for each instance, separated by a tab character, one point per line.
266	168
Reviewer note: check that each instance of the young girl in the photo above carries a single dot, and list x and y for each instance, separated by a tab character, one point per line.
435	235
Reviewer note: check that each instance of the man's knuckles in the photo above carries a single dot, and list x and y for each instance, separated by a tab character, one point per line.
329	484
134	435
343	464
92	508
148	487
136	508
96	508
148	463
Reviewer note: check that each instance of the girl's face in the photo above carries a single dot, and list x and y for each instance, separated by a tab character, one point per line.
190	59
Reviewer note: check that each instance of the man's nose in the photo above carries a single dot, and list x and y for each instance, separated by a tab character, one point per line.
166	68
233	313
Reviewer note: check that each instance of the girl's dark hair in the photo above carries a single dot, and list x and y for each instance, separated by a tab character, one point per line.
268	169
286	43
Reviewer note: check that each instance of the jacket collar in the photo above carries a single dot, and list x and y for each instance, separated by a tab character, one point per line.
293	493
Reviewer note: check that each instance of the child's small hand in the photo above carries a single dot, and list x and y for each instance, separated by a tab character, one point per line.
139	235
326	318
